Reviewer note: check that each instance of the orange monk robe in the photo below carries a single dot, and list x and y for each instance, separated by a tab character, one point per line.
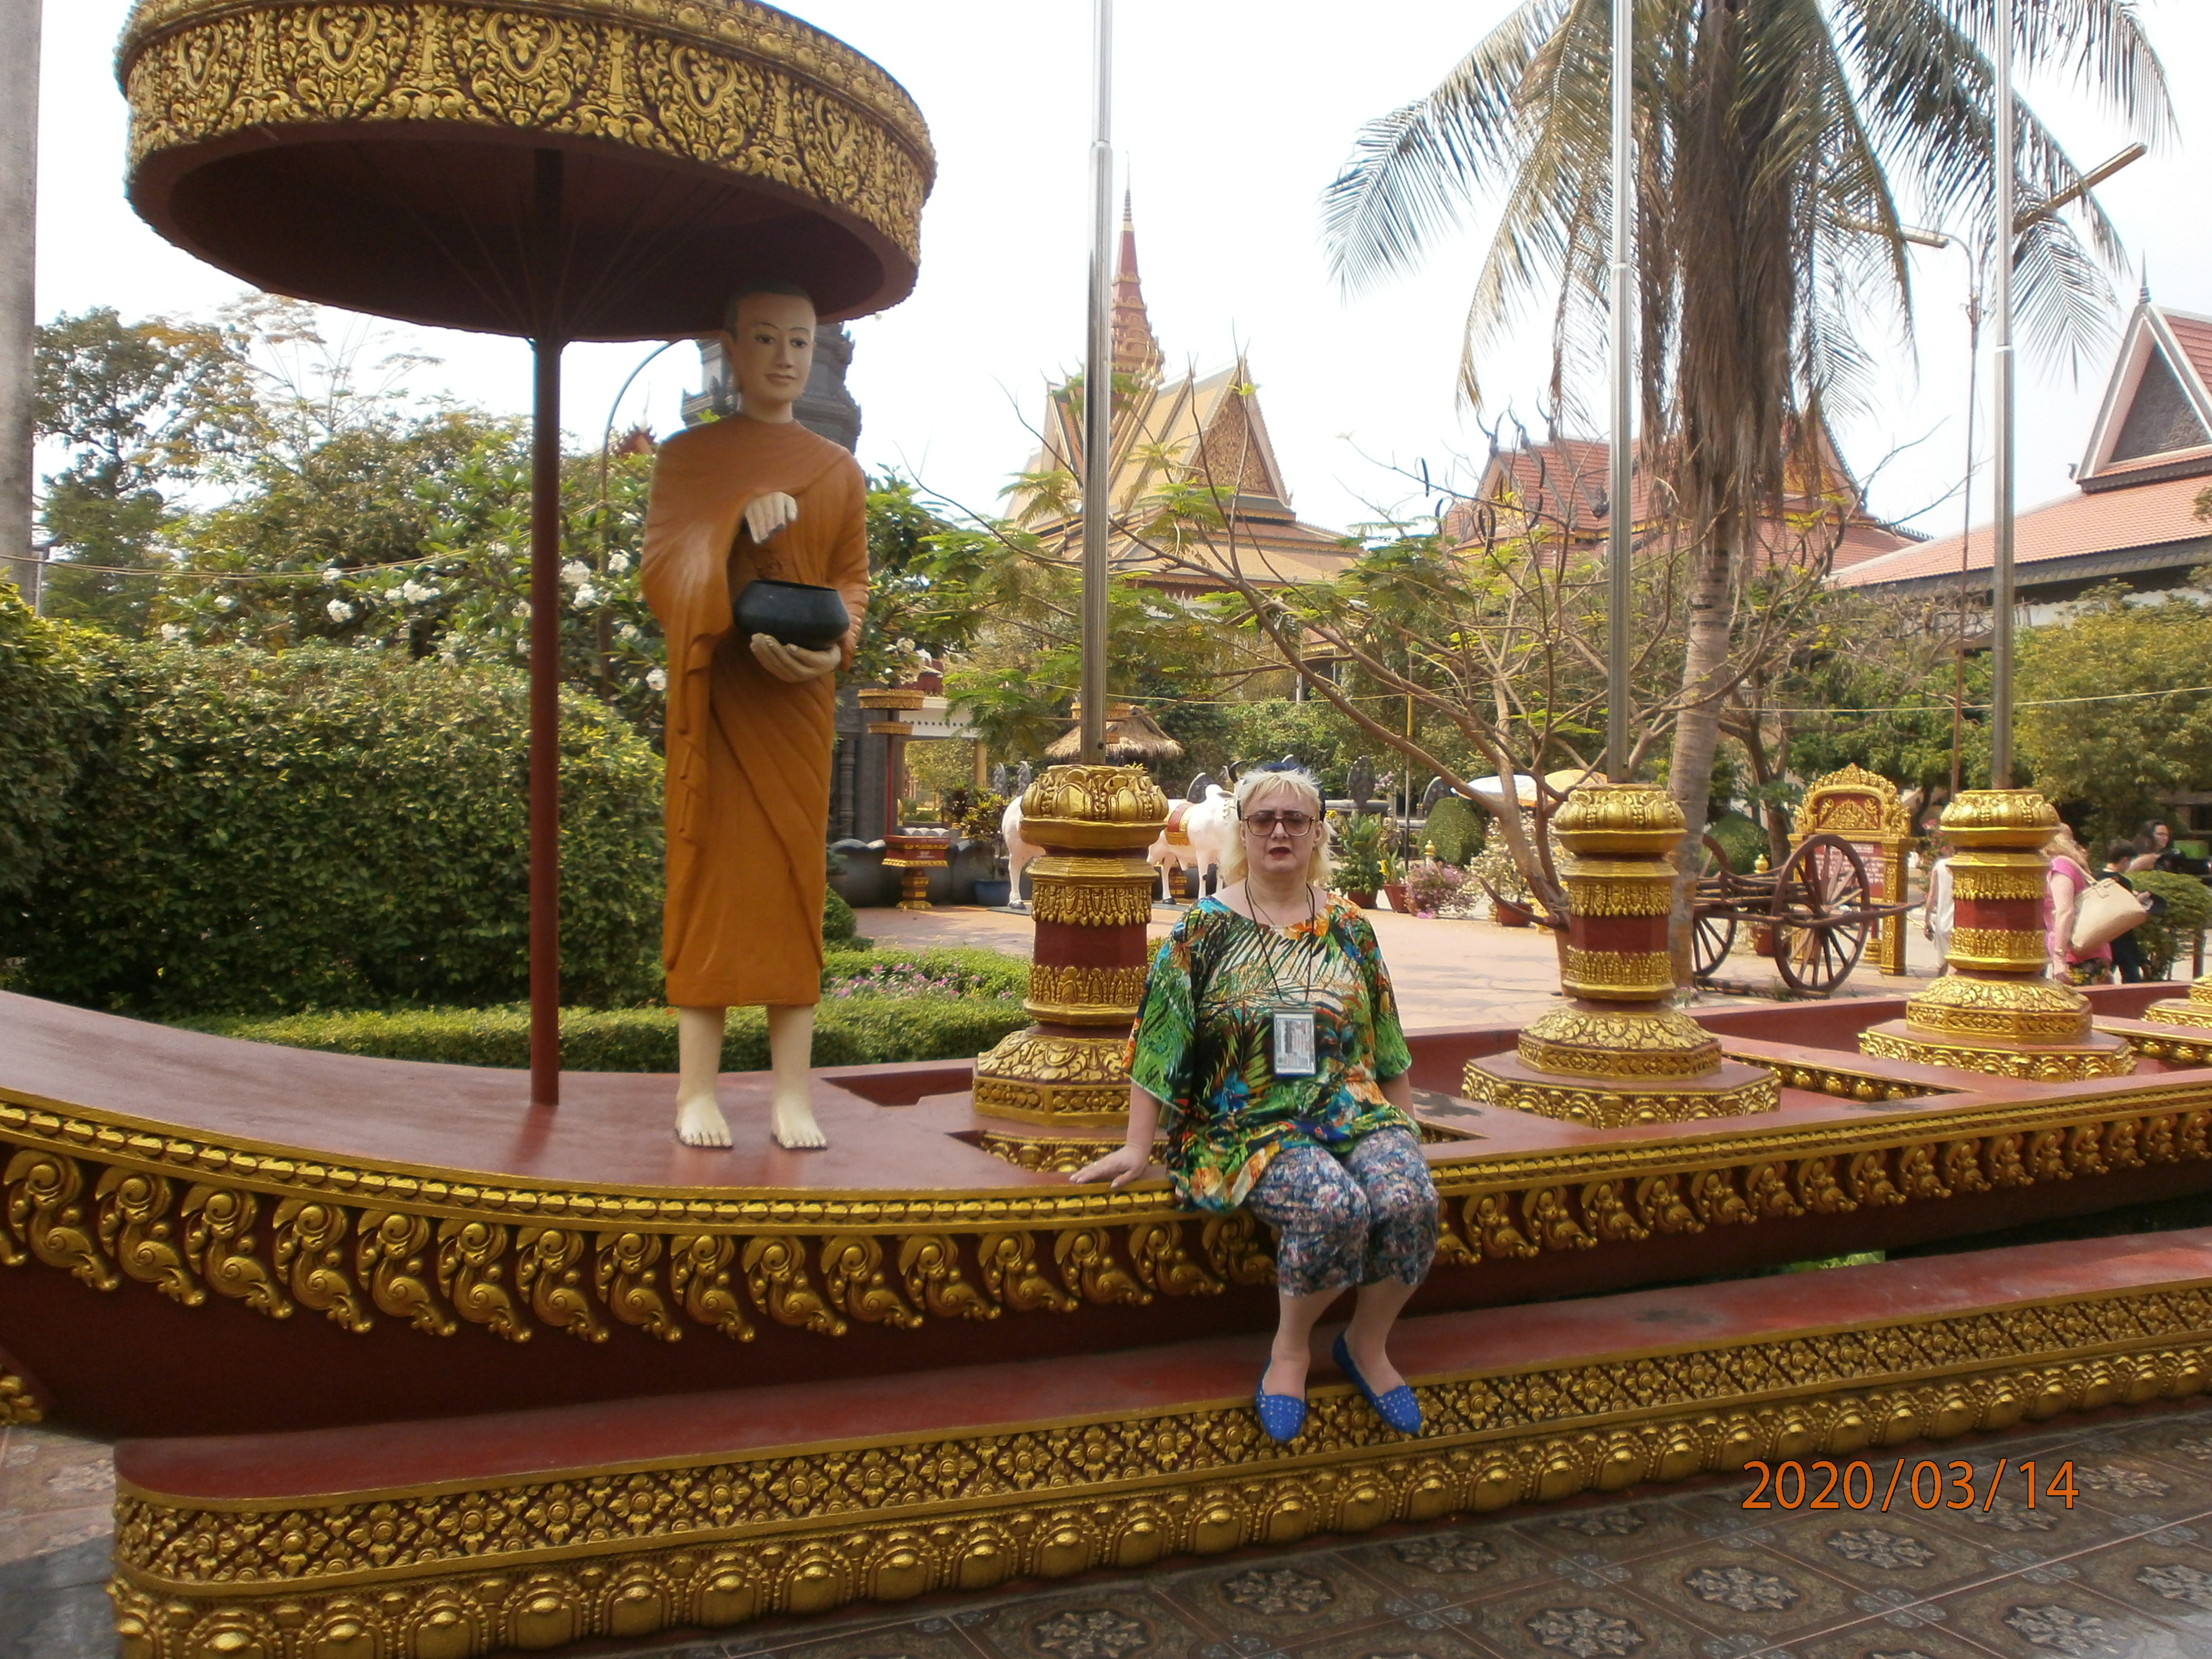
748	795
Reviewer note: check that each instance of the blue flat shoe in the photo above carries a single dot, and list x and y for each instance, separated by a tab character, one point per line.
1398	1407
1282	1415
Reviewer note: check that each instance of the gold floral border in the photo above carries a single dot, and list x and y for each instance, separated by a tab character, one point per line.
734	86
623	1551
197	1221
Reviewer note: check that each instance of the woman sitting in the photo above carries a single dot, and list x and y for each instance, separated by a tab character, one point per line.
1269	1044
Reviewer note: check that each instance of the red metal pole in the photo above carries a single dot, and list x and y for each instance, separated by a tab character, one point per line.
546	730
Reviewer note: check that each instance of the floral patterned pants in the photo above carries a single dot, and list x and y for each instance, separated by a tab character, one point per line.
1357	1217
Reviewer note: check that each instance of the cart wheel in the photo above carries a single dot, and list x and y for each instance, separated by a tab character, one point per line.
1820	887
1712	931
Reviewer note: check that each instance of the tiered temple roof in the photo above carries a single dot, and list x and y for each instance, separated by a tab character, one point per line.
2132	514
1174	433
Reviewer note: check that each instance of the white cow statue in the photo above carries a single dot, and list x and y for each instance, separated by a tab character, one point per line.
1020	852
1196	837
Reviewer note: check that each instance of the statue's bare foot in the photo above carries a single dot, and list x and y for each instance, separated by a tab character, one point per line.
792	1122
699	1123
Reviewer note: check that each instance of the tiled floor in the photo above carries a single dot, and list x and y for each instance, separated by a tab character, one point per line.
1670	1573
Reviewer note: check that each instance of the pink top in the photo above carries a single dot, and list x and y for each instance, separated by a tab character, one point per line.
2064	869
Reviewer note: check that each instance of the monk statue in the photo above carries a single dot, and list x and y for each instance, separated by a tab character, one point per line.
750	721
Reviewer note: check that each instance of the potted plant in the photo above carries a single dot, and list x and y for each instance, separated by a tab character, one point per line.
1360	866
979	820
1431	885
1394	884
1502	880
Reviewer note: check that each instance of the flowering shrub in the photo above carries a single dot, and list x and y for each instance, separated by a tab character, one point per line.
1431	885
905	979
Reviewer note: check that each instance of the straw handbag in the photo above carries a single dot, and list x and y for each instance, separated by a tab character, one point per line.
2105	911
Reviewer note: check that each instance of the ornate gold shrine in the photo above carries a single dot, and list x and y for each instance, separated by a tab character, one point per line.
1618	1052
1862	807
1092	899
1997	1011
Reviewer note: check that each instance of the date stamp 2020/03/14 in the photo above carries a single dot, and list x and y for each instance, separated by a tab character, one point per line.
1856	1485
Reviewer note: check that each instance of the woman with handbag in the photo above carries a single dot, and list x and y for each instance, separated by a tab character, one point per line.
2068	879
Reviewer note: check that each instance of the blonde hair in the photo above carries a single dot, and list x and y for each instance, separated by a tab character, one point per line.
1260	786
2061	841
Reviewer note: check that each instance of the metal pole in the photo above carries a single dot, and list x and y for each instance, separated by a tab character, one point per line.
19	317
1098	387
2001	365
545	658
1618	511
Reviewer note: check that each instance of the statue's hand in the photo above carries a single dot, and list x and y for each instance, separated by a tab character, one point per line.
794	665
766	514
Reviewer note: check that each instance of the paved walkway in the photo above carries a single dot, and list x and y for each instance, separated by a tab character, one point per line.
1445	973
2124	1571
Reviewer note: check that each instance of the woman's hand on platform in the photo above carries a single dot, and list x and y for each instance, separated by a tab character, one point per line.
794	664
766	514
1120	1166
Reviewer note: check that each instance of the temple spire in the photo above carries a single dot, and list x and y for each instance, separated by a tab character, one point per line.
1136	352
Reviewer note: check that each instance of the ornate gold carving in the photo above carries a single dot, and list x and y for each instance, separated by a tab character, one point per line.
1061	1155
1011	1274
18	1404
775	1272
736	87
1998	950
799	1529
310	1254
1103	807
929	1266
1634	819
1659	1043
1236	1245
1098	902
1592	1104
1034	1078
2028	1009
1091	996
1999	817
2044	1066
137	1230
1835	1080
1614	887
1622	976
1160	1252
1854	803
1994	875
2194	1010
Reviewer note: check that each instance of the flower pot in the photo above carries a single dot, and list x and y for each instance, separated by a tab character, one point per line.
1507	913
993	893
1395	892
1365	900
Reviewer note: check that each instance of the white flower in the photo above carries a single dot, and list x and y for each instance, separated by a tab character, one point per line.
522	646
522	609
587	597
225	601
657	679
415	593
330	573
338	611
576	573
619	564
626	632
173	633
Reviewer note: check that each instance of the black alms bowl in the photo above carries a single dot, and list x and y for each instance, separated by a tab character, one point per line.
812	619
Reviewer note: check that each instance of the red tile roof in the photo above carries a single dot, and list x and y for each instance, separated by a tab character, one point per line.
2144	516
2194	335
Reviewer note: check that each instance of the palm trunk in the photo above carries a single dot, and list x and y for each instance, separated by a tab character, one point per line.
1697	728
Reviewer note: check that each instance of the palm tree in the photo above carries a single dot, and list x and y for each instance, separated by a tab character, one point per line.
1773	139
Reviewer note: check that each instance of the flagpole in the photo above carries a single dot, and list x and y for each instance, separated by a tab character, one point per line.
1618	513
2001	582
1098	388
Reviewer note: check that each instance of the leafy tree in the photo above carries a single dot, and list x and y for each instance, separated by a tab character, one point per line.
140	410
1772	137
2118	754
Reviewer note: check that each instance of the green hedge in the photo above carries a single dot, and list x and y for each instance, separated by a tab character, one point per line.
321	827
2164	939
1456	828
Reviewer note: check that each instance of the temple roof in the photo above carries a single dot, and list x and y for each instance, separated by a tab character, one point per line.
2132	508
1170	433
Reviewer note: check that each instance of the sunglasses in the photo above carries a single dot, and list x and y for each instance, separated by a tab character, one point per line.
1295	825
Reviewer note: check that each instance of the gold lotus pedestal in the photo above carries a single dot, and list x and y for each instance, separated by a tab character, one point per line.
1619	1052
1997	1011
1092	899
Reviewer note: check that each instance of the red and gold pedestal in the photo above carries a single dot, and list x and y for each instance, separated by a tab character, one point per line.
914	854
2193	1011
1620	1052
1063	1078
1998	1010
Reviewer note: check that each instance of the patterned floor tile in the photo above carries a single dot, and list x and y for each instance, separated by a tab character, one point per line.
905	1639
1567	1621
1101	1621
1873	1638
2021	1619
1456	1562
1754	1591
2160	1575
1870	1550
1410	1639
1623	1530
1279	1600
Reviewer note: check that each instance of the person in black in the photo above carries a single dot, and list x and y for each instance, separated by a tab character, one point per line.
2127	954
2152	848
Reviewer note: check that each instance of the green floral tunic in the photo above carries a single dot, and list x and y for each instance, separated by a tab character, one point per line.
1200	1045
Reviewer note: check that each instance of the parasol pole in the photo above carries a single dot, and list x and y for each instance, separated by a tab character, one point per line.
19	317
1618	513
2001	365
1098	388
545	644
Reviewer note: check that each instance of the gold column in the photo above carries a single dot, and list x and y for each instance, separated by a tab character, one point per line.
1998	1010
2194	1010
1620	1052
1092	900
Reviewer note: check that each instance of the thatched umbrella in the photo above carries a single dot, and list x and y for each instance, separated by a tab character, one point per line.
555	170
1133	737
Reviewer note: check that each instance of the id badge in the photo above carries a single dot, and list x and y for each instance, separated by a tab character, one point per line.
1291	1051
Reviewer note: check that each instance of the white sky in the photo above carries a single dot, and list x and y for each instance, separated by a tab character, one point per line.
1231	116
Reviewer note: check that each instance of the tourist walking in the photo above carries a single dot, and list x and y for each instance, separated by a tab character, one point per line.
1269	1053
2127	952
1936	907
2068	879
